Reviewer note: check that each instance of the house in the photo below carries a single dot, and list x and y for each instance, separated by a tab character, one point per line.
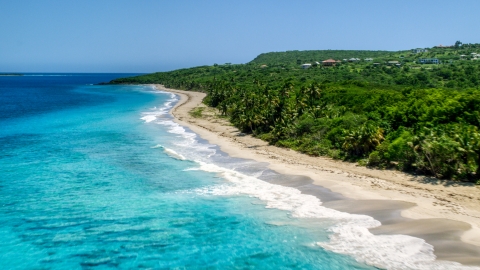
263	66
306	66
428	61
353	60
368	59
441	46
329	62
391	63
419	50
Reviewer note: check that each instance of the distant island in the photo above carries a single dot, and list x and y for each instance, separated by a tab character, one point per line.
11	74
415	110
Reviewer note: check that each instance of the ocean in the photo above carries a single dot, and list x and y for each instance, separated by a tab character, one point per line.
101	177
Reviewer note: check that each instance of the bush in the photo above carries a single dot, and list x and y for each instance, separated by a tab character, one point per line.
197	112
375	159
266	137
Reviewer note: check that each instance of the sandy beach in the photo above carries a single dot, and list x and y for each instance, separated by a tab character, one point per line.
444	213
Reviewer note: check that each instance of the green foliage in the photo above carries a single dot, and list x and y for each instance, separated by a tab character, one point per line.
300	57
197	112
358	141
418	118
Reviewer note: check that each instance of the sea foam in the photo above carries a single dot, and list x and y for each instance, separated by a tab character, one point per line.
149	118
349	235
156	113
174	154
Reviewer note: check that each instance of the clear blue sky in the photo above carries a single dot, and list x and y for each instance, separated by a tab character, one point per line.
149	36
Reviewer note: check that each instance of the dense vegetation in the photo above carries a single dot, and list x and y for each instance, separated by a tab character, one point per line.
415	117
300	57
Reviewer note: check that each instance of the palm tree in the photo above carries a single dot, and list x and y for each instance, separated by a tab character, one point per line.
363	140
469	140
313	91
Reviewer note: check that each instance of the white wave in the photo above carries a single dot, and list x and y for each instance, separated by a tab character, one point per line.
174	154
173	97
386	251
157	146
350	234
156	113
188	144
149	118
170	152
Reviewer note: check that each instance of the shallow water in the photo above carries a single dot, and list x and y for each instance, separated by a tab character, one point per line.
101	177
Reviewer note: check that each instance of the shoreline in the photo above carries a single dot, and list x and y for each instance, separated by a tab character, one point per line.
441	212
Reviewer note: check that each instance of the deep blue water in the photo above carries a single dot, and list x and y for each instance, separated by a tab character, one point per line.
99	177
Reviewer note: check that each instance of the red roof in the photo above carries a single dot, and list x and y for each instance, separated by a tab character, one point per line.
329	61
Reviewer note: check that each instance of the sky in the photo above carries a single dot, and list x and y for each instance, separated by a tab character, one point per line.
157	35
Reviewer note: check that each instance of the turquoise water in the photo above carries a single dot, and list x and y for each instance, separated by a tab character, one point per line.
98	177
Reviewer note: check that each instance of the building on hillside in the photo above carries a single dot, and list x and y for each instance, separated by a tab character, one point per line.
428	61
329	62
263	66
353	60
391	63
441	46
368	59
306	65
419	50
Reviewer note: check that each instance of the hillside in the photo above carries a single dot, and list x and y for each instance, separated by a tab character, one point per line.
300	57
390	111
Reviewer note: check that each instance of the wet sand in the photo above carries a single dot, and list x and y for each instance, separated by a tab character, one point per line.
444	213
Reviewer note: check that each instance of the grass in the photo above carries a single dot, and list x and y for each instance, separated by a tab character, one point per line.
197	112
